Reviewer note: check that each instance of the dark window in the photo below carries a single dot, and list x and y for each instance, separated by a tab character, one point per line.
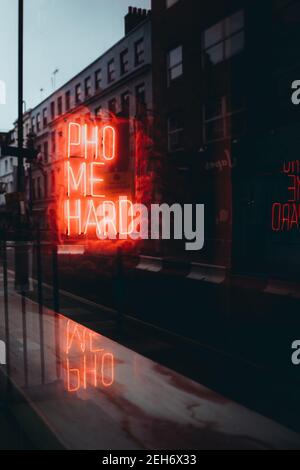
139	52
140	95
111	72
53	144
124	61
98	111
170	3
112	105
224	40
38	122
224	118
33	124
78	93
45	117
59	106
88	87
39	188
68	100
125	103
46	185
98	79
52	181
46	152
52	106
175	64
175	132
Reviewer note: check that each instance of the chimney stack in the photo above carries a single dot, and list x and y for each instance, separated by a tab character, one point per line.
134	17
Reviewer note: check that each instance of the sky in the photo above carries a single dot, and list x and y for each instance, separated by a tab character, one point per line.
63	34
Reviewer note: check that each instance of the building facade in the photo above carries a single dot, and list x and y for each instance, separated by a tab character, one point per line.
222	96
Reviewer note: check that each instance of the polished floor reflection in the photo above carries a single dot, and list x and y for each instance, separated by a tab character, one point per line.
92	393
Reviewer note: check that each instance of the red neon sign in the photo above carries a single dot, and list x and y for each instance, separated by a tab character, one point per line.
87	207
87	363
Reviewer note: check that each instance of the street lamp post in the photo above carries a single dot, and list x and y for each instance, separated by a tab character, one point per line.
21	251
20	174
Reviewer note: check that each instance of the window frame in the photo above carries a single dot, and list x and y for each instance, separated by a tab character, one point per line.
125	110
46	151
124	65
52	110
173	132
112	100
98	79
139	104
68	100
78	93
45	117
225	37
53	143
137	55
111	74
170	68
88	87
226	113
59	106
38	122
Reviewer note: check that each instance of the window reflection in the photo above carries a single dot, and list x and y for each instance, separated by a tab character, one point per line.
224	40
175	64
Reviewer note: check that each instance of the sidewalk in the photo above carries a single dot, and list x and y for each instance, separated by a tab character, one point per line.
93	393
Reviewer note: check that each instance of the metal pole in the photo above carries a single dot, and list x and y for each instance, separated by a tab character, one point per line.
20	176
40	301
6	312
25	348
21	254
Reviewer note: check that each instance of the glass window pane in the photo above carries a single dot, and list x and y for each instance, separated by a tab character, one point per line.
170	3
214	55
176	72
234	44
215	130
176	140
213	109
213	35
175	56
234	23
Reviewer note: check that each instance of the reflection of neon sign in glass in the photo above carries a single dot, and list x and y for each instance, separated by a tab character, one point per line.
87	363
2	92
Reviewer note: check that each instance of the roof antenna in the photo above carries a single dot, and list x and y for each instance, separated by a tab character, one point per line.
53	78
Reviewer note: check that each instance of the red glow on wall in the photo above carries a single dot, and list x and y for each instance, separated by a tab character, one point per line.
87	364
